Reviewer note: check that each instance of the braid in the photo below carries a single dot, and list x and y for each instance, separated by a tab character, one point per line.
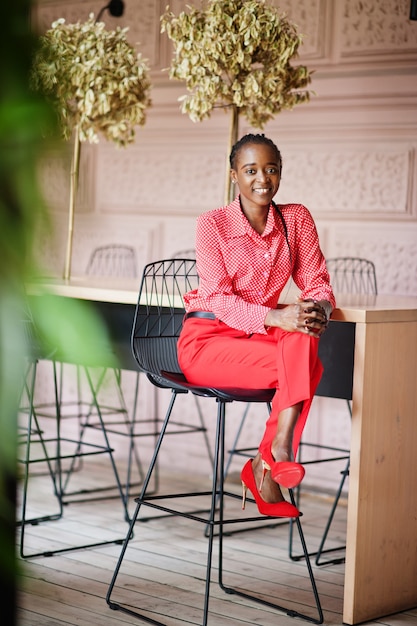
251	138
284	225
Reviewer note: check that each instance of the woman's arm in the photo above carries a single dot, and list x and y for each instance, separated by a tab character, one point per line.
310	272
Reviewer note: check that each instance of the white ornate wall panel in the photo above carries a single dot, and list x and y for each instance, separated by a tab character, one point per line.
176	178
372	29
334	31
359	173
312	20
353	31
392	248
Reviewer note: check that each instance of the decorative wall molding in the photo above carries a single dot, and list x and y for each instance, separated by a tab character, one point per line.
374	29
392	248
312	20
179	179
373	180
335	32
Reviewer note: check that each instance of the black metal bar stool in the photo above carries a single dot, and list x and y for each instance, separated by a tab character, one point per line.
51	449
157	324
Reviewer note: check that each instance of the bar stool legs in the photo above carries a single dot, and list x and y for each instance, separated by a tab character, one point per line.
216	519
53	455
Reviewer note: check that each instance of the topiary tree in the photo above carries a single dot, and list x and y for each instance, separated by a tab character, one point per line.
97	83
236	54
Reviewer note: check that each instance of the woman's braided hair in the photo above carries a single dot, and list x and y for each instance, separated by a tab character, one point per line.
260	139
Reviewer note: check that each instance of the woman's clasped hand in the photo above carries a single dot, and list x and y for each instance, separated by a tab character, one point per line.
305	316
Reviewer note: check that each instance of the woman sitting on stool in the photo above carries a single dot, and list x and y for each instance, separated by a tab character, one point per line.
235	336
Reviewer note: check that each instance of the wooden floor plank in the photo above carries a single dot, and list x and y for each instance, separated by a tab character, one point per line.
164	568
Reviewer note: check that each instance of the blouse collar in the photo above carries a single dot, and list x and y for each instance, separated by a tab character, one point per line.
238	224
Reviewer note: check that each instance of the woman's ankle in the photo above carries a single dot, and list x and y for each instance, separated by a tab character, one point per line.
270	491
281	450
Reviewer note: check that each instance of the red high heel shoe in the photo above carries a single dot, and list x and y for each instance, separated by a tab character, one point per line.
273	509
286	473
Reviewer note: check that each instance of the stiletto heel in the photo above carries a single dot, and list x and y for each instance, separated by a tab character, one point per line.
272	509
244	490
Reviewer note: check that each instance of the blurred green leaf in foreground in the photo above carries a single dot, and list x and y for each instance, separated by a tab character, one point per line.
25	119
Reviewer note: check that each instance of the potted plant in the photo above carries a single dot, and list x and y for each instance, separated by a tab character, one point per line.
236	54
98	84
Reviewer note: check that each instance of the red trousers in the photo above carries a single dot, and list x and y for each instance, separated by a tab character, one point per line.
212	354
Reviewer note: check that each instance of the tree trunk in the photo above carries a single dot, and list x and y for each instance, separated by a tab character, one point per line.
233	137
75	169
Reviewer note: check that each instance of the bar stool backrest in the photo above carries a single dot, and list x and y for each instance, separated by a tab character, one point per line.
352	275
113	260
159	314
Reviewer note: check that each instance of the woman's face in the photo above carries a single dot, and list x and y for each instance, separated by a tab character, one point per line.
258	174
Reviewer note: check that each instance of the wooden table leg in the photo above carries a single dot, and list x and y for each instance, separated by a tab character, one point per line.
381	556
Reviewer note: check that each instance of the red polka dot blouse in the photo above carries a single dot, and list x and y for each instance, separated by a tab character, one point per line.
243	273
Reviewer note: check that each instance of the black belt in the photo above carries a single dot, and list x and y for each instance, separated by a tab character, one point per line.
207	315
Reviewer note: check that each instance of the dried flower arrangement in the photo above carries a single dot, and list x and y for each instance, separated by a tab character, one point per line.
95	78
97	83
236	54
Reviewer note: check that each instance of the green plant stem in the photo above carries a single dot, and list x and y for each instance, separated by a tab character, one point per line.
75	169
